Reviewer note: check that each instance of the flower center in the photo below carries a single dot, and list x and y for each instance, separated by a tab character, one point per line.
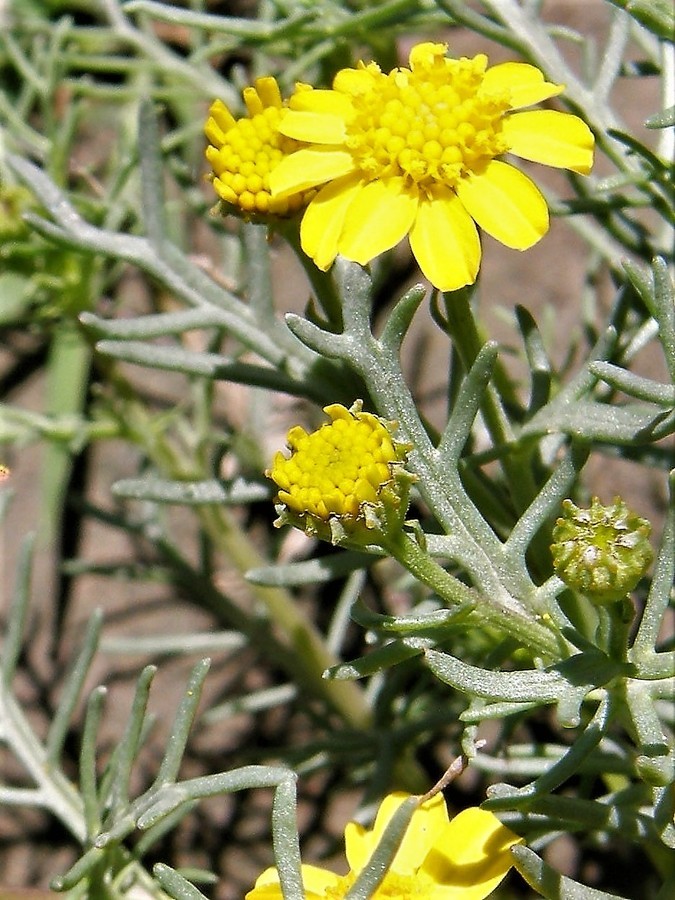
431	123
400	887
338	468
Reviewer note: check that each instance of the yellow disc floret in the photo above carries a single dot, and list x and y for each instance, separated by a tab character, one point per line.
243	152
431	123
350	470
392	887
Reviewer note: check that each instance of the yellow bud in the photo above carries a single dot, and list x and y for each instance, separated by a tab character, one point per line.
346	479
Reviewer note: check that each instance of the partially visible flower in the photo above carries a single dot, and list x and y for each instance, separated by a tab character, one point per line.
46	278
416	152
347	477
603	551
439	859
243	152
14	202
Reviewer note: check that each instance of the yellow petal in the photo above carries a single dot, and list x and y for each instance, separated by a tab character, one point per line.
269	876
359	845
324	218
445	241
424	55
313	127
471	856
315	881
525	83
220	122
224	192
427	824
553	138
254	104
214	133
338	411
505	203
214	157
265	892
307	168
360	842
317	101
381	215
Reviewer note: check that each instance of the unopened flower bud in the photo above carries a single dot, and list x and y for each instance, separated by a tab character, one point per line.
346	481
603	551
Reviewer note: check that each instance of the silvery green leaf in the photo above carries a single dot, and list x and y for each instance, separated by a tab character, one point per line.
590	420
551	884
191	493
383	658
634	385
319	570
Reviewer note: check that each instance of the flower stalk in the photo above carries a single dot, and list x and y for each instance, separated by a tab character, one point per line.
521	625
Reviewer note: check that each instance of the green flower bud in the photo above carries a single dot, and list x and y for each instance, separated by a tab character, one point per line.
602	551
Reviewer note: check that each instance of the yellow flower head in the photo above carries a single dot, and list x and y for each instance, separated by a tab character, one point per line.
415	152
243	152
460	859
346	477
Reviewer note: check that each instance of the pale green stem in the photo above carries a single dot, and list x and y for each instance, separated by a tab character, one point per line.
468	342
310	651
614	623
54	791
527	632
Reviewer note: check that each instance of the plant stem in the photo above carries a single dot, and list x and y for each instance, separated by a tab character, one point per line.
522	627
468	342
310	653
54	791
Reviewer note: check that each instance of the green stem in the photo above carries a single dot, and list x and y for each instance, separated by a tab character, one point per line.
322	283
411	556
67	377
486	611
515	464
310	653
468	341
614	623
54	791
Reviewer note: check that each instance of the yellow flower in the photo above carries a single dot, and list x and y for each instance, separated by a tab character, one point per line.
243	152
415	151
345	477
439	859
